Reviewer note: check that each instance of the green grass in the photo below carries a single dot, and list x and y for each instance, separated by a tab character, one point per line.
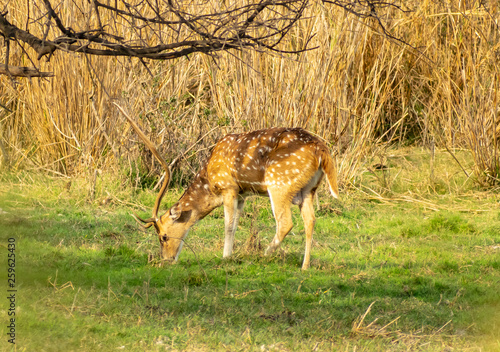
394	272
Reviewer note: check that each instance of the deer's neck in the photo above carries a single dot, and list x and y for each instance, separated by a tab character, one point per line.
199	197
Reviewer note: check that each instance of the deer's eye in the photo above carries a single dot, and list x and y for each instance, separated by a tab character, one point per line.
164	238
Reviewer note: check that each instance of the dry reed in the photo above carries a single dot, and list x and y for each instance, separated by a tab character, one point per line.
357	90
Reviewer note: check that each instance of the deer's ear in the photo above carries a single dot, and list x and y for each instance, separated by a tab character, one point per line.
175	212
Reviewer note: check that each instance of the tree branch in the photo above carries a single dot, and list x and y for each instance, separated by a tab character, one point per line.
12	32
18	71
181	27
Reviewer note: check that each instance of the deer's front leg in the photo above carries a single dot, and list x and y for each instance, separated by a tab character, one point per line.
233	205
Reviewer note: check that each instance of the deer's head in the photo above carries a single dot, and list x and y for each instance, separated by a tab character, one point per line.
171	227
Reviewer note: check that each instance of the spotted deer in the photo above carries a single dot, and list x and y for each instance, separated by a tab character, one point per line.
287	164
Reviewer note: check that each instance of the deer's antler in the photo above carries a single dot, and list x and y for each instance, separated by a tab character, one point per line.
162	161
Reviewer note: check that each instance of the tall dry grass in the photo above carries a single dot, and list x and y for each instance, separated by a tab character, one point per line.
358	90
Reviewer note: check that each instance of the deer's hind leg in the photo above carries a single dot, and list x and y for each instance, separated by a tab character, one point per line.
307	212
280	204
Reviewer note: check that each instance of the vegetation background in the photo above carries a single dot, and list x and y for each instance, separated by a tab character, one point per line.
358	87
407	261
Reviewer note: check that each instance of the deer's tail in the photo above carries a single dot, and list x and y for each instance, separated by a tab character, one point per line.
327	164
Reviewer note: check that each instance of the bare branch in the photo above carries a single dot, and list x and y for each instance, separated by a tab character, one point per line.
169	29
12	32
17	71
204	31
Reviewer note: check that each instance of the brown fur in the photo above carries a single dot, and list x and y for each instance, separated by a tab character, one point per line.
285	163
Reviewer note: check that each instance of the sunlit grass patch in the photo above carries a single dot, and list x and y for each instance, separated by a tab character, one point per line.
388	272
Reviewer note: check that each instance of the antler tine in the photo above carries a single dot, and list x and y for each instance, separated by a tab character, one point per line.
149	222
153	150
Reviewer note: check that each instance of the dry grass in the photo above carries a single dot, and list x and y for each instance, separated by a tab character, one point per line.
358	87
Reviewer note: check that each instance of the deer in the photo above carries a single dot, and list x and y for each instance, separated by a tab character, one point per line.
286	164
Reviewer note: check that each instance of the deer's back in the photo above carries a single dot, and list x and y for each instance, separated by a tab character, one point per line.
257	160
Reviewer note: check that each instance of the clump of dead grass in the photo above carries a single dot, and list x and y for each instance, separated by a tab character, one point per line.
359	90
